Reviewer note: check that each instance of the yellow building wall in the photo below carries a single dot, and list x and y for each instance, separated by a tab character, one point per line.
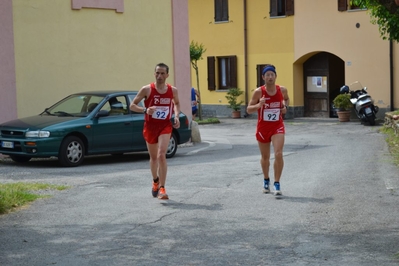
219	39
270	41
59	51
266	43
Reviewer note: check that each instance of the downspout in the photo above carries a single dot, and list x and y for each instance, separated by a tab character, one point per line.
245	58
391	75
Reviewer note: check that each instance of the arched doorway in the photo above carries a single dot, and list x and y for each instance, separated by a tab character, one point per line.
324	74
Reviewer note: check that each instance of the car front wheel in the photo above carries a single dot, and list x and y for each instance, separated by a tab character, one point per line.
71	152
172	147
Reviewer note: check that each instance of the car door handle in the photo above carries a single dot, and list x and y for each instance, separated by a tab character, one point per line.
127	123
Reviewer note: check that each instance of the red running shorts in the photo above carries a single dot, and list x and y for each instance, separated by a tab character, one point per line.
152	132
266	136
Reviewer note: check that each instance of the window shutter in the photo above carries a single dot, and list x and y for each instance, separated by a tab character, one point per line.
225	10
211	73
273	8
289	7
233	71
258	75
259	80
342	5
218	8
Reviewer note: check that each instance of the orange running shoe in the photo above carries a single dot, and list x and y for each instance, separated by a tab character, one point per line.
155	189
162	194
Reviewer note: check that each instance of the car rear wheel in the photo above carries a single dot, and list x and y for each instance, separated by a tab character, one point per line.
172	147
71	151
20	159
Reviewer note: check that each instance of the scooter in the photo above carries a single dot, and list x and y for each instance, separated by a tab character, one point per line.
362	102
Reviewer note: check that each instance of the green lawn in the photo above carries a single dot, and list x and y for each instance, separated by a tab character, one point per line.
15	195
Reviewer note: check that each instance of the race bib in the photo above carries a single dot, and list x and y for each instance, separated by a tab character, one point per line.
161	113
271	115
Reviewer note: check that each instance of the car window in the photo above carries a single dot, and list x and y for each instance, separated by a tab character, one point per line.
116	106
131	97
74	105
92	102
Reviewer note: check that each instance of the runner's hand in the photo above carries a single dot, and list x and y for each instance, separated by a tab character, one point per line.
176	124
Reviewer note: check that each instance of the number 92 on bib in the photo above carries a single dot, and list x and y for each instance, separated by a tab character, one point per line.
161	112
271	115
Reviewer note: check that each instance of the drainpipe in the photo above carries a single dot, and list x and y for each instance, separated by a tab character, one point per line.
245	58
391	74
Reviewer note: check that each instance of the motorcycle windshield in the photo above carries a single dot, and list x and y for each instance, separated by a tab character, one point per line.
355	86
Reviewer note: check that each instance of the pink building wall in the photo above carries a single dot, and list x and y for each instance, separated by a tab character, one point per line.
181	44
8	90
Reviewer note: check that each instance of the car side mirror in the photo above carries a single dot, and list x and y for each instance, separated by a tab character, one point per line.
102	113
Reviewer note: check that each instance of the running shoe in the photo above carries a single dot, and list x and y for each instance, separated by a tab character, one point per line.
162	194
155	189
277	190
266	187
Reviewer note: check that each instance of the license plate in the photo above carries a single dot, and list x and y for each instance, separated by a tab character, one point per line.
7	144
368	111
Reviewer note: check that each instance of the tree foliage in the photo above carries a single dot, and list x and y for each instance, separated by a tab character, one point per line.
384	13
196	52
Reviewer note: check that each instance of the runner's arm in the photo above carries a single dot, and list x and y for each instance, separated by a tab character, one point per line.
256	101
140	95
284	91
176	108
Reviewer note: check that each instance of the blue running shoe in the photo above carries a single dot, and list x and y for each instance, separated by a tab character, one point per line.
266	188
277	191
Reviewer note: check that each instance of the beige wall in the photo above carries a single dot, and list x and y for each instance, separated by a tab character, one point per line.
396	74
319	26
59	51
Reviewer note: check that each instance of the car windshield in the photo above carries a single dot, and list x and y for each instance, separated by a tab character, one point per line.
74	105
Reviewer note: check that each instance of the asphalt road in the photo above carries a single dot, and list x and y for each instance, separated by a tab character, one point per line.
339	206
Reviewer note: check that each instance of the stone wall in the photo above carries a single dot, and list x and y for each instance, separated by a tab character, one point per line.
391	122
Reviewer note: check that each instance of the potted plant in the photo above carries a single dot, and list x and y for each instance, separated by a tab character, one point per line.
343	103
234	104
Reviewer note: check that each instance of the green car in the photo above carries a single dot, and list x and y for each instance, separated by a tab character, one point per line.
82	124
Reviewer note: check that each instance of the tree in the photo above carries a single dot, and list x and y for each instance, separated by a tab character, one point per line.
384	13
196	52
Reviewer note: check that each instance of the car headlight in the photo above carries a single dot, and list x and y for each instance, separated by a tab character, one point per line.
37	134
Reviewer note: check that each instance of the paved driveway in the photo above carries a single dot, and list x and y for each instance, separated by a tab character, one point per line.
340	204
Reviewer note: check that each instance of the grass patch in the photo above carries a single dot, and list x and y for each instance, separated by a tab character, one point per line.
15	195
210	120
393	143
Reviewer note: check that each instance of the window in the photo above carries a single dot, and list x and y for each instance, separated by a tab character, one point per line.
118	5
221	10
344	5
259	79
224	74
280	8
116	106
